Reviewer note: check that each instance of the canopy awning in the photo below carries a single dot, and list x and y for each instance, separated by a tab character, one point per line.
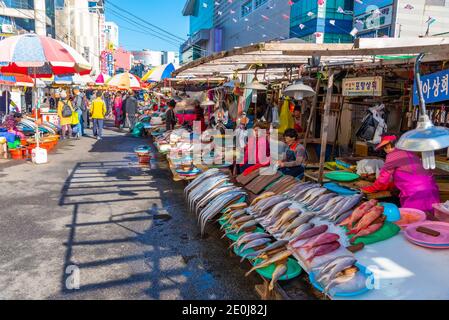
275	57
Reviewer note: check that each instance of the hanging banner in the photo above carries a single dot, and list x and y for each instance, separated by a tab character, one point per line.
362	87
435	87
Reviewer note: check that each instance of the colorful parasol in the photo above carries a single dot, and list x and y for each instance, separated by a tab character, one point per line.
159	73
102	79
40	56
125	81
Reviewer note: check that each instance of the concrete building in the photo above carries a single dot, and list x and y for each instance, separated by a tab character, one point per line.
244	22
19	16
81	24
151	58
401	18
223	25
112	35
322	21
122	59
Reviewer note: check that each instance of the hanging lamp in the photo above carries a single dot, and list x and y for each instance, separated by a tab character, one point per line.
256	85
426	138
298	90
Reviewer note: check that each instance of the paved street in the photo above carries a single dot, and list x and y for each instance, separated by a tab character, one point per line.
124	226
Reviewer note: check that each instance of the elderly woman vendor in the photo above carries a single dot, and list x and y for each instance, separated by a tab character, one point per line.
404	170
294	158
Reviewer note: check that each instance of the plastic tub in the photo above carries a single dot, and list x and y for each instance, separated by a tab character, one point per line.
410	216
16	154
441	213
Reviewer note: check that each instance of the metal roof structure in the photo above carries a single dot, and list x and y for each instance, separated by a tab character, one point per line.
275	57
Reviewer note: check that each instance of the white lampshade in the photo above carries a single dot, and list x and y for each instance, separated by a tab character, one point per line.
299	91
256	85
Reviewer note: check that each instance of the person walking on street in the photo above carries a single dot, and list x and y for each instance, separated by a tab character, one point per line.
65	112
124	114
98	113
131	110
80	107
118	110
170	119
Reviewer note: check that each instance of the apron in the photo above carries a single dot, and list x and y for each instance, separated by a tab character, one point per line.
292	171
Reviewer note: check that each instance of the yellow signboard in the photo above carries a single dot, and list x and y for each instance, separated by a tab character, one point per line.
362	87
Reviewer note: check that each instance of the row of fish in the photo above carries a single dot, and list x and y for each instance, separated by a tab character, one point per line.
265	248
209	194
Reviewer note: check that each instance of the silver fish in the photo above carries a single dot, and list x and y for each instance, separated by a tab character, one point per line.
304	227
314	195
286	217
331	272
322	200
269	205
255	243
278	273
337	282
249	237
330	204
271	247
303	218
277	209
249	224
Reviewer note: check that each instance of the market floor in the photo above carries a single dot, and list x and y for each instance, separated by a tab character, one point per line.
92	215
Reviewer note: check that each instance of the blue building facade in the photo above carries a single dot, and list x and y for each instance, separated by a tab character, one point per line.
374	18
321	21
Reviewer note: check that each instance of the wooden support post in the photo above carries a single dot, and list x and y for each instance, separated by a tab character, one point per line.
325	124
312	112
340	112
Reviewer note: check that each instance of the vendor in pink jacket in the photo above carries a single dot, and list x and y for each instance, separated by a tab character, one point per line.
404	170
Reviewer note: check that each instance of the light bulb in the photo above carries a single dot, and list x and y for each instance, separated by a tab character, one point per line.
428	160
299	95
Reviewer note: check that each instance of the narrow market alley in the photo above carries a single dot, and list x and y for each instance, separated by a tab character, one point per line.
93	212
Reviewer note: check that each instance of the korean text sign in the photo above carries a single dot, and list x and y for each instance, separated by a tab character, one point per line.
435	87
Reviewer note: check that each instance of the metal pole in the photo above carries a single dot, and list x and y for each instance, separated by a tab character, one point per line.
325	124
312	112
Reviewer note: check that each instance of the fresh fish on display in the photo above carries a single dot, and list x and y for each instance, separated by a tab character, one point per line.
249	237
359	212
200	179
240	221
300	230
302	219
217	206
272	247
347	205
309	234
305	193
261	197
335	208
204	188
321	201
277	209
300	187
314	196
278	273
338	281
276	258
255	243
246	225
260	205
341	217
332	268
367	219
324	238
286	217
205	193
323	250
369	230
236	206
269	205
330	205
212	195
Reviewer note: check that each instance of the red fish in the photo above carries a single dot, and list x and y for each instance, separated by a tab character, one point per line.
367	219
324	249
324	238
358	213
310	233
370	230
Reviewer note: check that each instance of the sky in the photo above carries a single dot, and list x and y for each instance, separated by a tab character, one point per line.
165	14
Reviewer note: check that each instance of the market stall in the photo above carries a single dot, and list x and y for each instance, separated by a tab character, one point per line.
345	241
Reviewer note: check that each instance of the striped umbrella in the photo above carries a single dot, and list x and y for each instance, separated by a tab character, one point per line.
159	73
125	81
40	56
102	79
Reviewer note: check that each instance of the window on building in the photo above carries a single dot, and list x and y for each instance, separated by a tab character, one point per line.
19	4
441	3
247	8
259	3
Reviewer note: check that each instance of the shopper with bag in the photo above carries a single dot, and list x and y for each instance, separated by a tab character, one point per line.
65	113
